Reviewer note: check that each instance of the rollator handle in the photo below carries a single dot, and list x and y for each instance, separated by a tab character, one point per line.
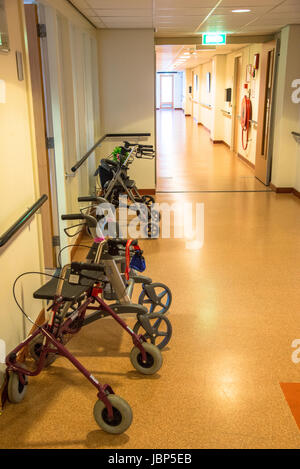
74	216
79	266
90	198
122	242
127	144
89	219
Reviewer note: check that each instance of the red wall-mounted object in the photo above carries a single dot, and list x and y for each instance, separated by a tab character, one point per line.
256	62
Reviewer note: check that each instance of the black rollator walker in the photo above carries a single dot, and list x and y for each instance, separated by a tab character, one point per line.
115	182
76	289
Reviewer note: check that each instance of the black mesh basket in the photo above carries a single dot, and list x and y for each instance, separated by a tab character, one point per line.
105	174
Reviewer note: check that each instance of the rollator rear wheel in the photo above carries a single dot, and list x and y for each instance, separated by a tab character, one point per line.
122	415
163	299
162	330
155	216
154	359
16	391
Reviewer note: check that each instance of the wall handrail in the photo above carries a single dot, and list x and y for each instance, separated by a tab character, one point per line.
296	136
120	135
22	220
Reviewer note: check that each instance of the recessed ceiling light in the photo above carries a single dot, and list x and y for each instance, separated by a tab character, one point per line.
241	11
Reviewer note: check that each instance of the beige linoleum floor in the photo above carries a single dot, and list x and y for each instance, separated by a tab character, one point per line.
235	314
189	162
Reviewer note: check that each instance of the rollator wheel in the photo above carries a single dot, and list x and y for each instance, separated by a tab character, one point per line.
154	359
148	200
35	350
162	330
155	216
151	230
16	391
122	415
163	299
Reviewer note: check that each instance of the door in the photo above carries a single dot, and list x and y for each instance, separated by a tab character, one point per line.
40	131
166	91
237	104
263	160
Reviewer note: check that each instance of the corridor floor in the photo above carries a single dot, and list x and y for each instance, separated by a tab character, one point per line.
235	314
189	162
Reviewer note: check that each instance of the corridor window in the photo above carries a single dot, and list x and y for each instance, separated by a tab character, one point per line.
4	42
196	83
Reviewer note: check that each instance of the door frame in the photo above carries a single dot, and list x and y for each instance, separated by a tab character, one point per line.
235	109
53	99
39	115
272	45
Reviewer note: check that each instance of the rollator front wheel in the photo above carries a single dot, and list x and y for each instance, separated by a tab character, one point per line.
148	200
161	330
16	390
154	359
151	230
122	415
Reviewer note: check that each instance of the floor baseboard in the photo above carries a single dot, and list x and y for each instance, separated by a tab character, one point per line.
245	160
285	190
147	191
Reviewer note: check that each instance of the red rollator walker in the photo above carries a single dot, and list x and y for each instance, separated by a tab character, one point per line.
76	289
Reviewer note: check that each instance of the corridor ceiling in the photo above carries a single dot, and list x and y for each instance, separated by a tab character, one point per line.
182	18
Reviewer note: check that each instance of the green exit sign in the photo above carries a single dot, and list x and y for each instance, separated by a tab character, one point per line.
214	39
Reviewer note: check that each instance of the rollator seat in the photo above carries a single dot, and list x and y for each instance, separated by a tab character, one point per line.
70	292
129	184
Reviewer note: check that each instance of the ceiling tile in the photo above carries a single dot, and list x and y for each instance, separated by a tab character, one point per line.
182	11
120	4
250	3
121	22
80	4
124	13
185	3
183	17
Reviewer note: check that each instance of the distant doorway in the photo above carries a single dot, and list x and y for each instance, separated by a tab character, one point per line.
166	92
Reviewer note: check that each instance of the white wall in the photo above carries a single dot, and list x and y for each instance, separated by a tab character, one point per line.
202	98
18	188
74	95
217	98
178	89
127	91
247	55
286	170
221	68
187	96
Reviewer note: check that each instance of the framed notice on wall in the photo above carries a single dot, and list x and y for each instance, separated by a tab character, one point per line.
208	82
249	73
4	40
